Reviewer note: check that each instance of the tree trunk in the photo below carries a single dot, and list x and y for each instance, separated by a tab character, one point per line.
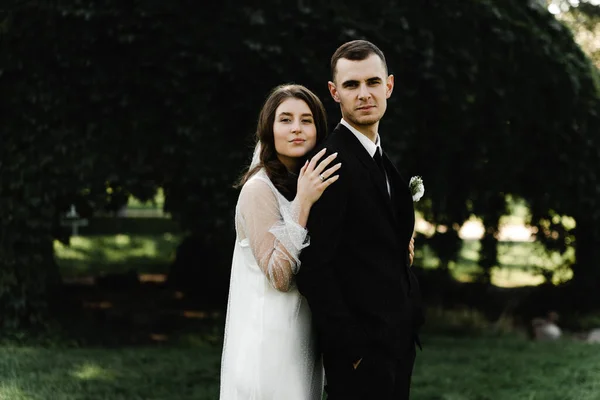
586	270
488	254
27	273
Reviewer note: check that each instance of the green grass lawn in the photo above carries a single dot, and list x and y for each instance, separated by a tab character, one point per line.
494	368
100	254
157	373
517	261
505	369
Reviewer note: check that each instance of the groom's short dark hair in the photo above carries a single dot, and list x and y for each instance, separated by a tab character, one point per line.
355	50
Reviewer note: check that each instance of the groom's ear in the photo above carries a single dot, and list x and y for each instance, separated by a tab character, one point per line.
333	91
389	86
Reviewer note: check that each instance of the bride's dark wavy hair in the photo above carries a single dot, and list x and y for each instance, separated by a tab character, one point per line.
276	171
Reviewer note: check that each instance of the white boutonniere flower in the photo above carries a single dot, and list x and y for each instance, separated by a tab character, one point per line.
417	189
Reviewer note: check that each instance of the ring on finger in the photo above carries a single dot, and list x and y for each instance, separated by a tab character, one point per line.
322	177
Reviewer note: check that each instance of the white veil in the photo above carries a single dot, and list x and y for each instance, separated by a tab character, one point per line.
256	156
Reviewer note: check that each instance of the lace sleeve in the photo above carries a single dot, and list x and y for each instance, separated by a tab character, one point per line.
272	229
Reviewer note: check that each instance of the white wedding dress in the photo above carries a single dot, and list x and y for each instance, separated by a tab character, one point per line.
269	350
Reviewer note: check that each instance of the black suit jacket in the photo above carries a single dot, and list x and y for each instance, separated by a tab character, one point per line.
355	273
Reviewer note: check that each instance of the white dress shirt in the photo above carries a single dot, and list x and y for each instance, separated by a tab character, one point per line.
368	145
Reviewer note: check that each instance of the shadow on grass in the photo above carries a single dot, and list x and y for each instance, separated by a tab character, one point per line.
123	311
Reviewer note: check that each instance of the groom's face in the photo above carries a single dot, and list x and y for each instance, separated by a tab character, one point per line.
362	89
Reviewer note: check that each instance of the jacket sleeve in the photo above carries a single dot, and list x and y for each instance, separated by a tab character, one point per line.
318	281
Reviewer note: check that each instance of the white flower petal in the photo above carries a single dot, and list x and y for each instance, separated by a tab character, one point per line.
417	189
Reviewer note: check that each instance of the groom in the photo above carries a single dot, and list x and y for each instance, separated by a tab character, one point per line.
356	274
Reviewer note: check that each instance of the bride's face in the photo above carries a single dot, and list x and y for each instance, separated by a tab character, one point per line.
294	131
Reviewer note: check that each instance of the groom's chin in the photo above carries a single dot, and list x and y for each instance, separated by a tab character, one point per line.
367	120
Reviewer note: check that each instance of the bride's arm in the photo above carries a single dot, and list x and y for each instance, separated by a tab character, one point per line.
276	230
276	233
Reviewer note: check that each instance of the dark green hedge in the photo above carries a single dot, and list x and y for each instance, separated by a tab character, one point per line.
492	97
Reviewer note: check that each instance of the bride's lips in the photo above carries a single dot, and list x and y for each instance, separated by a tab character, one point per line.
297	141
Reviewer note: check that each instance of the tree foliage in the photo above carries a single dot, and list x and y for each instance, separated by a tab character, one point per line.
584	21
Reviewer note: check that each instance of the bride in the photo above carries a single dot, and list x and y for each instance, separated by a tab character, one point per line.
269	350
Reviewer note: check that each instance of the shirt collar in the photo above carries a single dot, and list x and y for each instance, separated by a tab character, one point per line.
365	141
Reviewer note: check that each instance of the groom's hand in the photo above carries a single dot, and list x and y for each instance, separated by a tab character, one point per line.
411	250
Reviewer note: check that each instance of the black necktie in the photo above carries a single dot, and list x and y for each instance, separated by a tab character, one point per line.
379	161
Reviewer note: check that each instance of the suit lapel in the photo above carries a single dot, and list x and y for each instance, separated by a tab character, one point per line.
367	161
401	197
393	191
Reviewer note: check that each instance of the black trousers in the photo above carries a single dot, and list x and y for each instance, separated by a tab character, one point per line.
378	376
